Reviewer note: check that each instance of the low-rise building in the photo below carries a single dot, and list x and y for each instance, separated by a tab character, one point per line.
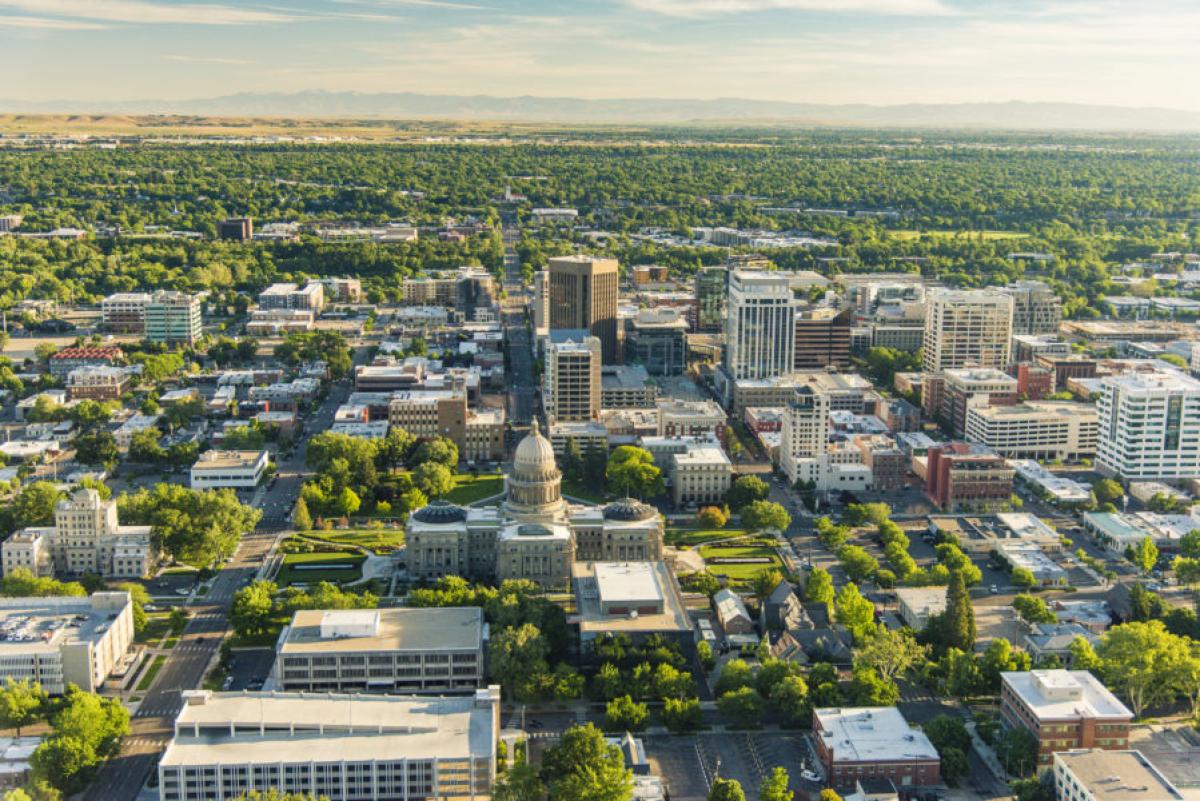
889	465
961	476
136	423
1029	556
965	388
28	549
700	475
292	296
124	312
679	418
918	604
215	469
638	599
1118	531
276	322
97	383
1059	489
61	641
875	741
404	650
1048	430
731	613
67	360
1099	775
1064	710
1053	640
365	747
626	386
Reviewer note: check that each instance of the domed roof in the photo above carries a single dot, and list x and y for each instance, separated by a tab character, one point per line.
440	513
629	509
534	453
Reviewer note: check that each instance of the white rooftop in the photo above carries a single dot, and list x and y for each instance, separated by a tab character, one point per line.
872	734
627	582
1065	695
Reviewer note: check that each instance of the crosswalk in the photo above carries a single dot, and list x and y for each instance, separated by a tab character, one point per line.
157	711
140	743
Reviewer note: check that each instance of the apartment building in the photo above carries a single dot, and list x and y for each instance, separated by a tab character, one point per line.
173	318
805	433
67	640
583	295
361	747
967	328
1036	309
124	312
310	297
680	418
572	380
961	476
877	741
1149	426
700	475
233	469
69	359
401	650
1064	710
348	290
97	383
889	465
1047	430
760	326
979	386
1093	774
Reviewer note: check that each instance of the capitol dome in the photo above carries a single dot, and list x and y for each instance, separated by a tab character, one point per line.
440	513
628	509
534	488
534	455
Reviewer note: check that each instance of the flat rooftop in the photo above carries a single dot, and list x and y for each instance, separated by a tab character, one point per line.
630	582
325	727
398	629
1065	695
1118	775
46	624
872	734
224	460
592	621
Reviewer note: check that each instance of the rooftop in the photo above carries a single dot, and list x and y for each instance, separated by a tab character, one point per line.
1118	775
392	629
1162	381
46	624
872	734
619	582
1065	695
588	579
223	460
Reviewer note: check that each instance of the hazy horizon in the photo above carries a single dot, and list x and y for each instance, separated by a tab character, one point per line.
876	52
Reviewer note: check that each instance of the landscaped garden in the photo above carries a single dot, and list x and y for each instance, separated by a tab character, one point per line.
309	568
687	537
741	561
470	488
379	540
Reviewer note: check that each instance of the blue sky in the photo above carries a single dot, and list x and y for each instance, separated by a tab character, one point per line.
829	51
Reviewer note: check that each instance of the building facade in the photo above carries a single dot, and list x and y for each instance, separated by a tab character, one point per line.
965	477
760	326
1036	308
87	538
971	328
583	295
823	339
1149	426
712	294
234	469
1048	430
572	380
873	741
1064	710
173	318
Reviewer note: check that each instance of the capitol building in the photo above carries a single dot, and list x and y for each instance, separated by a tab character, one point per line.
534	534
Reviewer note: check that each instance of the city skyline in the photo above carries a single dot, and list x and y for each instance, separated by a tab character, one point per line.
814	51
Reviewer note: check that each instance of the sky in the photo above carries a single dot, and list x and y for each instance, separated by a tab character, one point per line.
1127	53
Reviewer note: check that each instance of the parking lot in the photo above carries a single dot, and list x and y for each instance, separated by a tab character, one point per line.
250	667
689	765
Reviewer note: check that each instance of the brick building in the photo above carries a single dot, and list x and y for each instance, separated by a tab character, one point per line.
1064	710
876	742
960	476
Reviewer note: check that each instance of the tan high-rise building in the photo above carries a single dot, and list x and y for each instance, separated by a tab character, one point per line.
971	328
583	294
573	380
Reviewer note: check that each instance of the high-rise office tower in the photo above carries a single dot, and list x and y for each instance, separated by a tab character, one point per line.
173	318
583	295
572	380
1149	426
541	301
760	327
1036	309
967	328
823	339
712	292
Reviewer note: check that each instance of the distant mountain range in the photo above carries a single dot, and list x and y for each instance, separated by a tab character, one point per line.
1013	115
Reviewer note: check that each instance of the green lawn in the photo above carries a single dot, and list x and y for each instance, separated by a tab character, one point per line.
740	574
381	541
685	537
340	567
469	488
150	672
986	235
586	492
157	624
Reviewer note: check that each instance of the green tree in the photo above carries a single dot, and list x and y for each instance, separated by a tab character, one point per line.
1022	577
1143	663
1017	751
948	731
96	448
681	715
954	764
1000	657
301	519
433	478
890	653
436	449
624	714
1189	544
868	688
1032	609
746	490
584	767
139	597
789	698
1145	555
34	505
519	783
711	517
195	527
631	471
1108	490
859	565
742	707
855	612
250	612
734	675
775	787
819	588
144	447
515	655
764	582
762	515
1187	570
959	616
829	795
21	703
726	790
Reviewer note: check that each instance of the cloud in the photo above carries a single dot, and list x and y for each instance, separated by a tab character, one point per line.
714	8
208	60
418	3
142	11
42	23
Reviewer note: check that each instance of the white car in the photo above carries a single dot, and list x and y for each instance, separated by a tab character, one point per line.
809	776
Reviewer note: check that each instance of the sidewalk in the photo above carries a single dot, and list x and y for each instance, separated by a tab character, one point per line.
986	753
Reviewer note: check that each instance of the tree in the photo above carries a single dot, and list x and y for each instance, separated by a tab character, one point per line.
890	653
1187	570
746	490
433	478
250	612
948	731
436	449
765	581
1032	609
624	714
789	698
762	515
829	794
1023	577
96	448
954	764
726	790
963	678
775	787
1108	490
301	519
584	767
1144	663
710	517
21	583
1017	751
144	447
681	715
139	597
516	654
34	505
734	675
21	703
960	615
1189	544
89	414
1000	657
519	783
859	565
868	688
855	612
1145	555
742	707
819	589
394	450
195	527
631	471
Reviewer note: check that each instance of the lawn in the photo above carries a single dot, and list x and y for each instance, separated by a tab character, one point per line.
986	235
309	568
740	574
157	625
150	672
379	540
471	488
686	537
586	492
